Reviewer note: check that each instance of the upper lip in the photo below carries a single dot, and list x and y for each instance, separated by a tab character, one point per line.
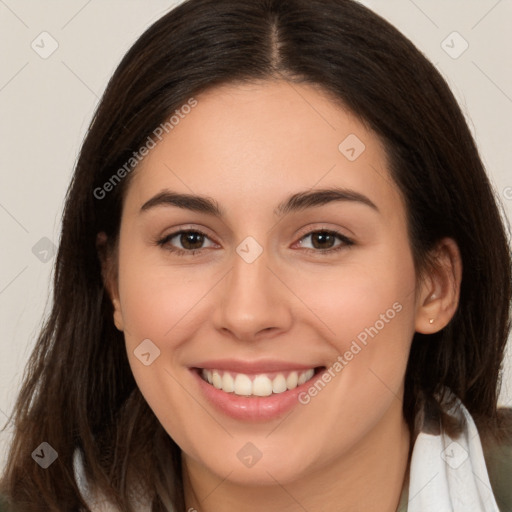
250	367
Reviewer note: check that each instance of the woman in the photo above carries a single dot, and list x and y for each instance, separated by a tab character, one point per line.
273	289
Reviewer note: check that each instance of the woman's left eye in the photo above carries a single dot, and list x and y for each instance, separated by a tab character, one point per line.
323	238
192	241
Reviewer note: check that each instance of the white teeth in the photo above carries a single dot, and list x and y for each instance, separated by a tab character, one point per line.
217	379
279	384
309	374
291	380
228	384
243	385
260	385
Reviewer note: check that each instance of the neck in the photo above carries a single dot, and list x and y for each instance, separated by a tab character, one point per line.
370	477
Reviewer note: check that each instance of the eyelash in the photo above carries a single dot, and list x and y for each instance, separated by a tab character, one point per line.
347	242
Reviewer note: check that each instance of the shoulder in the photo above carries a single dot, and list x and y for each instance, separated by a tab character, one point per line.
4	507
498	458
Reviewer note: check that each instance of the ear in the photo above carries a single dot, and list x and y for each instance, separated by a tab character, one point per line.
440	289
108	259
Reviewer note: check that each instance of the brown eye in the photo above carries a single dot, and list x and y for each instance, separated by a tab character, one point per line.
323	241
190	241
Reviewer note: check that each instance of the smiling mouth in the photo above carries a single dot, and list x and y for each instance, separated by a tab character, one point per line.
257	385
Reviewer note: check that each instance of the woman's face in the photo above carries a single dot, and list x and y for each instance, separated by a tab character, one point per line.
271	293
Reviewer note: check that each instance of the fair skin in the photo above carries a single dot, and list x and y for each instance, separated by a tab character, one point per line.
249	148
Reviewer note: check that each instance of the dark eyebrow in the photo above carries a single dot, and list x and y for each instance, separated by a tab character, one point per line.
296	202
309	199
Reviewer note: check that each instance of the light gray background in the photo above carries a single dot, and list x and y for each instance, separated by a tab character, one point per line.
46	105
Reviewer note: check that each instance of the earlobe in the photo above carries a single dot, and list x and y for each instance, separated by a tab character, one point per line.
118	317
428	317
440	289
107	256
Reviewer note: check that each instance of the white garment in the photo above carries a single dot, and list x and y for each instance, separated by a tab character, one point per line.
446	475
450	475
96	502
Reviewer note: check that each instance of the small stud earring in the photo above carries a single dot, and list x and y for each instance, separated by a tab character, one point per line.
431	320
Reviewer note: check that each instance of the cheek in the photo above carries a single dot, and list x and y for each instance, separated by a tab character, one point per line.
156	299
369	296
367	310
156	304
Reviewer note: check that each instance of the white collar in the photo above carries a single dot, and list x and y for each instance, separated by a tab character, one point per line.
96	501
449	474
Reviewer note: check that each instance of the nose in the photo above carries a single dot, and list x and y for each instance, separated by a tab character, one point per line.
254	303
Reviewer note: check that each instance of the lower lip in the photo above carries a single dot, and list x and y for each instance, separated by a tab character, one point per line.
253	408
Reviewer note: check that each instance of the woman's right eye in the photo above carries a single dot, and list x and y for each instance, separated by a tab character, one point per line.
190	240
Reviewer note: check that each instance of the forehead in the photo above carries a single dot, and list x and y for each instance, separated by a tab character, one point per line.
245	142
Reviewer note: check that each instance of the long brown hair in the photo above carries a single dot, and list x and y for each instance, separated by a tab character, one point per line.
78	390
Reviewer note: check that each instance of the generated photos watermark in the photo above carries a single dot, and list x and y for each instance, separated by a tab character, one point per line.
355	348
